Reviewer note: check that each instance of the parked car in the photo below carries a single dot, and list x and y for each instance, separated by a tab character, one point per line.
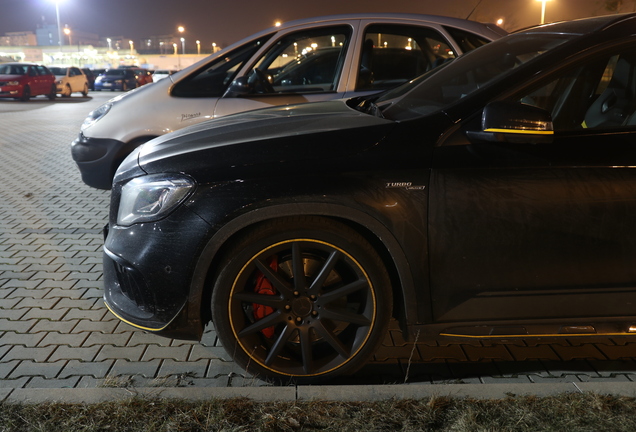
247	75
490	199
90	76
70	80
25	80
144	76
160	74
116	79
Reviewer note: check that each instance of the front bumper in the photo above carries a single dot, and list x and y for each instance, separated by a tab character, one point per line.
148	274
98	159
11	91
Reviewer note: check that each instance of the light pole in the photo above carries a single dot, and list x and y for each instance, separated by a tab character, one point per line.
110	46
132	45
543	2
199	47
59	28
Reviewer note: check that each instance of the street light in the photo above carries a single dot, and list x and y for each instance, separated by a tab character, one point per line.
67	32
543	2
181	29
199	47
174	45
110	46
59	28
131	47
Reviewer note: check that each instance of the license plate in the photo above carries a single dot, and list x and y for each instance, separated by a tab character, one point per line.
107	84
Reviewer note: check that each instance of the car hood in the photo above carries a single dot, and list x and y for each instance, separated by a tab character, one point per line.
280	135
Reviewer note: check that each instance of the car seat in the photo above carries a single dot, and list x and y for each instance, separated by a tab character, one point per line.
615	105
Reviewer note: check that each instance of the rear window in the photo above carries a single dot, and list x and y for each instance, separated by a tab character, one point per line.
13	69
114	72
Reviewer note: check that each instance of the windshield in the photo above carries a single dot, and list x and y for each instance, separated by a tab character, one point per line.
465	75
58	70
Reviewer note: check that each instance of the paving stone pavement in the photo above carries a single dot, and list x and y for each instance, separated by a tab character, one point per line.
55	331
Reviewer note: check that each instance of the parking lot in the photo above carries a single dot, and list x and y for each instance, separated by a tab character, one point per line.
55	331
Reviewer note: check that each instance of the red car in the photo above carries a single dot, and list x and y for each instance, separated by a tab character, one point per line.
143	77
25	80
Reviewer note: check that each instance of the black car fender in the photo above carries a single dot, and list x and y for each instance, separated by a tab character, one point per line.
406	311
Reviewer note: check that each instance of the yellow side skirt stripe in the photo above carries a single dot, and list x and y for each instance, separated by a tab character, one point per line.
520	131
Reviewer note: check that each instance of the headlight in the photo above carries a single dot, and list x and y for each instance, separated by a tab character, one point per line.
95	115
59	81
13	83
150	198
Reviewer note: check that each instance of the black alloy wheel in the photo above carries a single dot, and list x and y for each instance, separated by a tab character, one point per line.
26	93
301	300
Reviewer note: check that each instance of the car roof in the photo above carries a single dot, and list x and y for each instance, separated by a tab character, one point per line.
435	19
21	64
619	22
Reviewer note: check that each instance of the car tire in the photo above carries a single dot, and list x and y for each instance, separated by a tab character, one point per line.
85	90
304	330
53	93
26	93
66	91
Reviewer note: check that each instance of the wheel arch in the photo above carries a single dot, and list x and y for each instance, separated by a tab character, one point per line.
378	235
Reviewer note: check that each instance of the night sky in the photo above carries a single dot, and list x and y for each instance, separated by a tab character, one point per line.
226	21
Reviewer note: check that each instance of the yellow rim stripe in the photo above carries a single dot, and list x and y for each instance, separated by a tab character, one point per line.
133	324
520	131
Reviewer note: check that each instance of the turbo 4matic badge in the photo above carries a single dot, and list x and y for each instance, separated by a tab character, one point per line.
403	185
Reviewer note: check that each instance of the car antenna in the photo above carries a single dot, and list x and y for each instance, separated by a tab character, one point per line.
472	11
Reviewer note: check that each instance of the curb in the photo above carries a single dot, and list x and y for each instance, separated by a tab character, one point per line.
363	393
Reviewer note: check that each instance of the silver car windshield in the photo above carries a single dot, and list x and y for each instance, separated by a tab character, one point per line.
467	74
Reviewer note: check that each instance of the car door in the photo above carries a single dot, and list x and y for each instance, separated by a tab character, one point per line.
299	66
542	230
392	53
76	79
34	80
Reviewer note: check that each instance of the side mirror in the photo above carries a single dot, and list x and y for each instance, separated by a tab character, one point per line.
514	122
238	87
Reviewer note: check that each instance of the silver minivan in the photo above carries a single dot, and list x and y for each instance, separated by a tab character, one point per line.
302	61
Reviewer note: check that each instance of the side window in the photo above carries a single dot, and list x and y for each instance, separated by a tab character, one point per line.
465	40
32	71
394	54
600	94
212	79
43	71
307	61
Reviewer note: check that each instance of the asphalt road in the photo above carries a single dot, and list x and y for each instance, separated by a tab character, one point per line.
56	333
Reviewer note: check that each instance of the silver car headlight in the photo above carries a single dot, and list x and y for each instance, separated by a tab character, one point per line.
153	197
95	115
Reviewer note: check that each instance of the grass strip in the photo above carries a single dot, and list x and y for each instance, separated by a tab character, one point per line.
567	412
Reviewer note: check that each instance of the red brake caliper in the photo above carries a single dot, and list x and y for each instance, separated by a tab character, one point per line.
263	286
